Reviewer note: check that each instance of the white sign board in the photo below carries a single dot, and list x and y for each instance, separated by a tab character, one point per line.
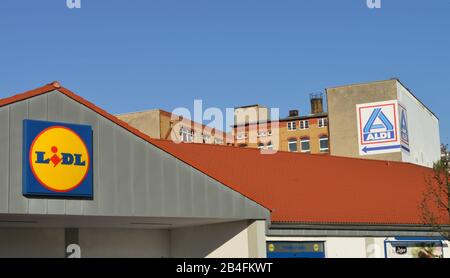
414	249
378	127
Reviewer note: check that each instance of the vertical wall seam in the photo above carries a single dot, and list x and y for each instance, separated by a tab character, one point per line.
8	187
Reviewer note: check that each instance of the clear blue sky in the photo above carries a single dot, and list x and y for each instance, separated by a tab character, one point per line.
133	55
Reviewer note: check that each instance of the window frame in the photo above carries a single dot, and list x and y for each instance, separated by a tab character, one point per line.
304	123
323	138
241	136
290	142
293	125
303	140
186	133
322	122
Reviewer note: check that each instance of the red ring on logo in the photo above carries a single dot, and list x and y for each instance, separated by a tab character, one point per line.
30	155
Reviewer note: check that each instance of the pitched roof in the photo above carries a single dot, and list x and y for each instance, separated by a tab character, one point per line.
57	86
300	188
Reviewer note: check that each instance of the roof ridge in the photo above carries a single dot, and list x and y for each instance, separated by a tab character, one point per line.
299	153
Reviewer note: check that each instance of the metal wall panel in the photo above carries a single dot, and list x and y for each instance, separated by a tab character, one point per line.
131	176
169	182
4	159
139	183
199	188
88	207
18	112
156	181
106	182
185	190
71	113
55	102
123	173
37	109
212	197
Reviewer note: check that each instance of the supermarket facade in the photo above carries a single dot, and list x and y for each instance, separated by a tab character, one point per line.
75	181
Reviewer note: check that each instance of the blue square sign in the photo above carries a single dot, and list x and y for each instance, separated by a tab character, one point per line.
57	160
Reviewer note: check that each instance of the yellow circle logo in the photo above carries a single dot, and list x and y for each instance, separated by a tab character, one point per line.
271	247
316	247
59	159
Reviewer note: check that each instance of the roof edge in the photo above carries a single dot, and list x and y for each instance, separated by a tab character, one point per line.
55	85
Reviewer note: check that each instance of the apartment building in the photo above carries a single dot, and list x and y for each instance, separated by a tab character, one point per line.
294	133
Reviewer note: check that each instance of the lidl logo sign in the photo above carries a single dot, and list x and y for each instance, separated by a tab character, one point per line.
57	159
378	127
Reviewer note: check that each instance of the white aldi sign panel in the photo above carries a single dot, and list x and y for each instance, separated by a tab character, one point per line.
382	128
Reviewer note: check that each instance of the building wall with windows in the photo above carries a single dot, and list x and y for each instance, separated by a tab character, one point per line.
301	134
307	135
262	135
160	124
254	128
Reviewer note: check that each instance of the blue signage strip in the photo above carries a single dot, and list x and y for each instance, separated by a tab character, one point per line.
295	249
368	149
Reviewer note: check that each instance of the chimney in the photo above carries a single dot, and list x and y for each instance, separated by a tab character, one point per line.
316	103
293	113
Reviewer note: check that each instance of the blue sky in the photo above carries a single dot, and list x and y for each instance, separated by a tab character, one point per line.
134	55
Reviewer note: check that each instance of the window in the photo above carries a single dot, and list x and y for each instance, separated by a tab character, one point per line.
305	145
323	143
292	145
269	133
186	135
260	146
323	122
262	133
269	145
241	136
218	141
304	124
292	125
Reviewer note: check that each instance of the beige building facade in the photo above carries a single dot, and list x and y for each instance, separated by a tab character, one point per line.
420	127
160	124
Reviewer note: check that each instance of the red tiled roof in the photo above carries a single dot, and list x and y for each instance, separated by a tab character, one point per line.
300	188
308	188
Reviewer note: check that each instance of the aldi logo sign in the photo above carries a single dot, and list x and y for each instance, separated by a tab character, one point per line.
404	134
378	127
57	160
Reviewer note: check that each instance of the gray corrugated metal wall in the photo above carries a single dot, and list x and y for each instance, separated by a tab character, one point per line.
131	176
